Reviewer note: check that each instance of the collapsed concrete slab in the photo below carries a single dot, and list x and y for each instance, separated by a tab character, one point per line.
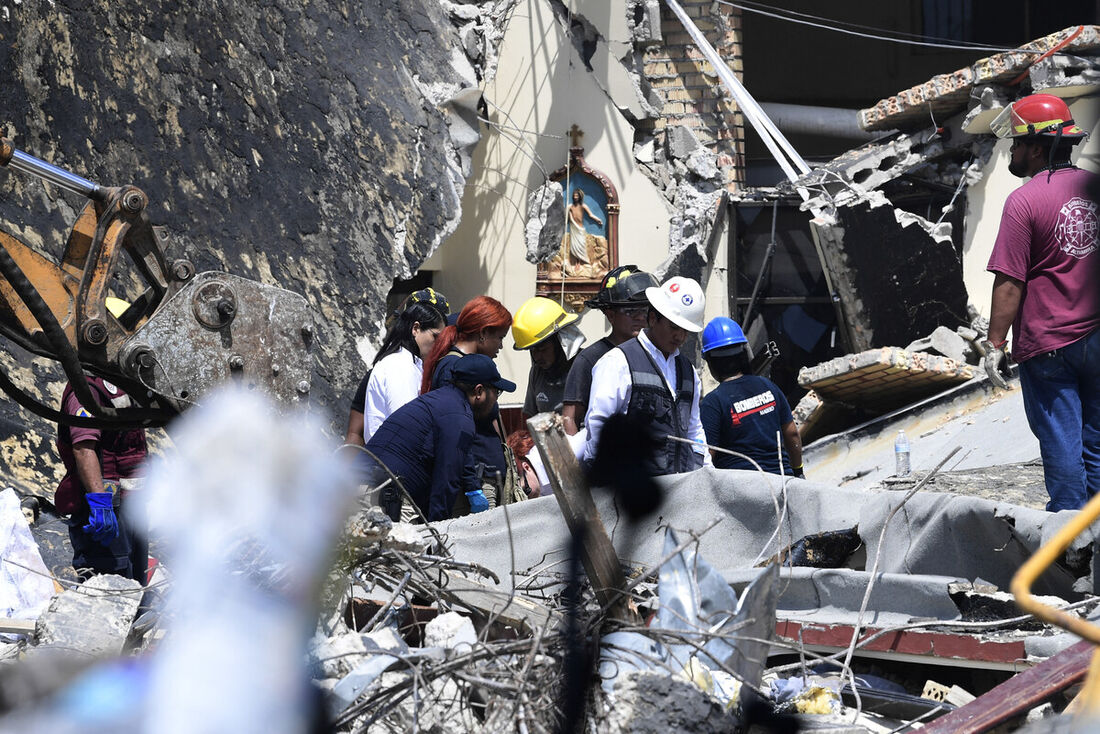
947	94
883	379
939	539
966	415
93	619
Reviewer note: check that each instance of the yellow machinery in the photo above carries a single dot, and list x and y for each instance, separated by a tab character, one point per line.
183	333
1040	561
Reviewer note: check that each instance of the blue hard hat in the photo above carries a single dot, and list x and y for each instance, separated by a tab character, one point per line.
722	332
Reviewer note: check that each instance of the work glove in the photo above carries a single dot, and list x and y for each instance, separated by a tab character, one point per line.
799	472
478	501
996	364
102	524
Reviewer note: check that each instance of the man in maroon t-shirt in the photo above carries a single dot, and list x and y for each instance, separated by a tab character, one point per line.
100	467
1045	264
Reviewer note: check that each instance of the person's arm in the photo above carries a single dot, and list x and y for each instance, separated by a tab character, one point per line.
710	415
453	471
401	380
354	433
530	407
356	422
792	440
87	466
1007	293
569	413
695	426
610	395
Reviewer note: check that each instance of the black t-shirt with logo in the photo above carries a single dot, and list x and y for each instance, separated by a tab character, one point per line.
744	415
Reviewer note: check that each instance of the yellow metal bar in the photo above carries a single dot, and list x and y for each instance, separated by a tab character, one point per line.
1041	560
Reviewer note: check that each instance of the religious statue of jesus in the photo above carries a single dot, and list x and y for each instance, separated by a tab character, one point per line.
578	237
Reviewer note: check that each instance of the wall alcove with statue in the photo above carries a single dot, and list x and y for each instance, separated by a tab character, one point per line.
590	245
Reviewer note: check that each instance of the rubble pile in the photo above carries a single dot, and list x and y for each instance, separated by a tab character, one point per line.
409	638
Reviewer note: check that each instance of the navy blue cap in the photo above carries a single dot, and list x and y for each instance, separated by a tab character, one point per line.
477	369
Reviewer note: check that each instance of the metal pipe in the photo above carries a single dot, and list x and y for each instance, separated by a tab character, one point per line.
67	180
804	119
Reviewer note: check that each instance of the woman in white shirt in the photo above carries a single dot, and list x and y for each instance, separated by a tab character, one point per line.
398	367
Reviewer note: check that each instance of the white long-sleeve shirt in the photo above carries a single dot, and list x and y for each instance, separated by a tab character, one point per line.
611	388
394	381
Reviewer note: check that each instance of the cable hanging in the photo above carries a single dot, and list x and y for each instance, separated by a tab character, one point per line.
832	25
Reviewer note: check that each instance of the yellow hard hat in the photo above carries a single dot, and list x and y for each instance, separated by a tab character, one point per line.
116	306
537	319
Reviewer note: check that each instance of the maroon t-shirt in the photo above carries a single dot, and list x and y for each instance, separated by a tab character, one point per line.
1048	240
120	452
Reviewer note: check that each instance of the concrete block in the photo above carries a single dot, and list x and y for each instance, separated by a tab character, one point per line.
950	344
680	141
658	702
880	380
451	631
93	619
703	163
644	19
1066	75
404	536
335	657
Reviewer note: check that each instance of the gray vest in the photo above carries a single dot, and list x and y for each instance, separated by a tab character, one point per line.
666	416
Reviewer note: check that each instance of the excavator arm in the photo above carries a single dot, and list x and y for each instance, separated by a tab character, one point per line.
182	334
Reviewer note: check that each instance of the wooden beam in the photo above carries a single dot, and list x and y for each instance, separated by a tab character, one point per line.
601	563
1018	694
17	626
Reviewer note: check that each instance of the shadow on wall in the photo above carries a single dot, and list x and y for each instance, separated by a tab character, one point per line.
554	89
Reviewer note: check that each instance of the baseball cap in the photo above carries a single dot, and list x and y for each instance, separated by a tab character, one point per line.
478	369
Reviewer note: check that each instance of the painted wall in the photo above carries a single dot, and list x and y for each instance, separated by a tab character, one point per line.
986	200
541	89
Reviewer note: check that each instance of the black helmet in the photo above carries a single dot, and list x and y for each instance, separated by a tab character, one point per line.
623	286
430	297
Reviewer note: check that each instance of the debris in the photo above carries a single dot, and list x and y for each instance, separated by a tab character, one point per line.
93	619
451	631
573	496
953	694
26	587
545	222
1018	694
883	379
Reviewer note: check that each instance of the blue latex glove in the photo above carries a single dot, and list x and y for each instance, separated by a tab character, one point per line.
102	524
478	501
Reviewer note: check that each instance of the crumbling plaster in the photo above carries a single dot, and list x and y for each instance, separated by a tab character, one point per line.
541	89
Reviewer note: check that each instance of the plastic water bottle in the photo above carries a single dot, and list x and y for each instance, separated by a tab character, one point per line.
901	455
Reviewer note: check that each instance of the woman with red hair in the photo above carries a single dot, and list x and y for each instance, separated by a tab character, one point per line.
480	329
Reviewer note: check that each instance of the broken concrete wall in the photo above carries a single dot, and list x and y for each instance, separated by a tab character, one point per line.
591	64
323	148
895	281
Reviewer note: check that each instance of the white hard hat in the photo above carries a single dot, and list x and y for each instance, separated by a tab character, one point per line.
681	301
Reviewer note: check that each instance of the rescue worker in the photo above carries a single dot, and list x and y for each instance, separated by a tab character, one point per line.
745	412
480	329
649	379
622	299
427	441
397	371
101	472
1045	263
550	334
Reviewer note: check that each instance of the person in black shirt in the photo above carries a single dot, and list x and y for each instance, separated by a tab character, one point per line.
745	412
622	299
